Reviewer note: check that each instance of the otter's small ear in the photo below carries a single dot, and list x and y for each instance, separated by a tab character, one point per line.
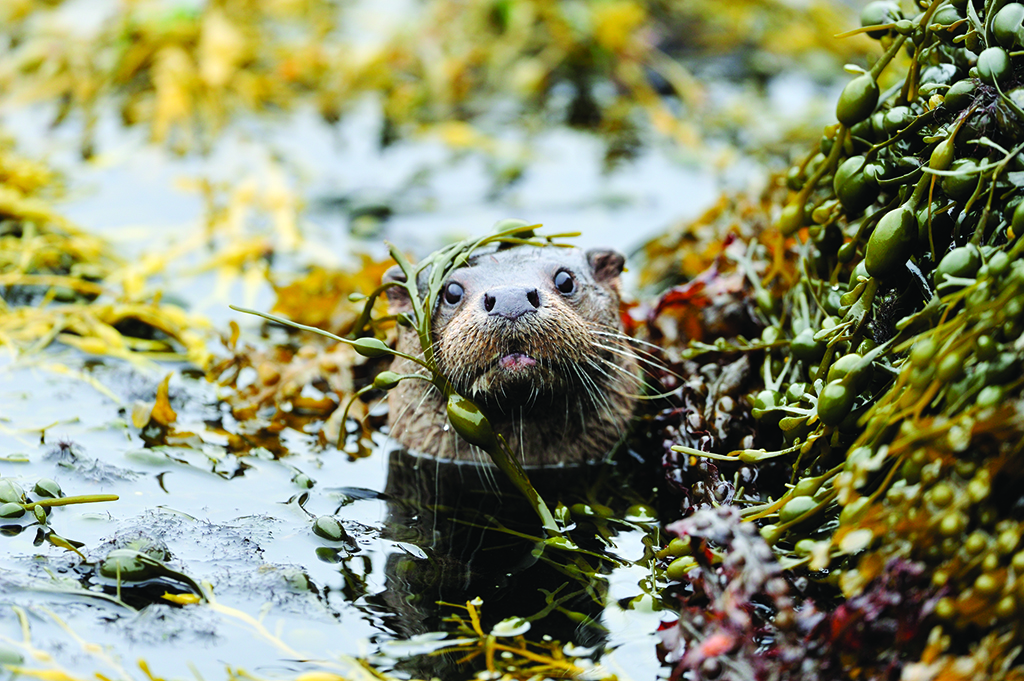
605	263
398	297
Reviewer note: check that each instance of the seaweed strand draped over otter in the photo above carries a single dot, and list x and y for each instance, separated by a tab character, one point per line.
462	414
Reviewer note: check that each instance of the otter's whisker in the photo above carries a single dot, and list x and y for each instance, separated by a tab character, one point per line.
597	397
653	355
652	364
626	372
611	333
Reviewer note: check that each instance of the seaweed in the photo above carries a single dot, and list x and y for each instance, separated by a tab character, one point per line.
884	295
59	283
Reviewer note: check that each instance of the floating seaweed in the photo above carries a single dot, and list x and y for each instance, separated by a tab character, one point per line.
507	652
61	284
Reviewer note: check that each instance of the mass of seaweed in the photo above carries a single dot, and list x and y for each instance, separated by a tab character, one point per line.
870	325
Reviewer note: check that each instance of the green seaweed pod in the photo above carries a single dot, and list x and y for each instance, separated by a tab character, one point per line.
328	527
994	65
129	565
858	99
960	95
960	262
805	348
878	13
855	184
792	217
371	347
525	228
11	510
942	155
835	401
850	365
891	242
948	22
1007	26
386	380
796	508
959	187
45	487
1017	219
11	492
470	423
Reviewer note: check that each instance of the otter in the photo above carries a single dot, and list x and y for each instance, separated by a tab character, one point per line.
533	335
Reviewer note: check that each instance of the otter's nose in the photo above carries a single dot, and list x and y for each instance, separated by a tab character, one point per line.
511	302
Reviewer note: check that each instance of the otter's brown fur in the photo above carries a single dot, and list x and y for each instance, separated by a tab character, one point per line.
546	360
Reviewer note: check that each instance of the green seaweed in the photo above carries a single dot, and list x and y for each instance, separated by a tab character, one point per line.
889	291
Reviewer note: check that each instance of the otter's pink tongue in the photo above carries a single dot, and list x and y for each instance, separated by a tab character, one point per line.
516	361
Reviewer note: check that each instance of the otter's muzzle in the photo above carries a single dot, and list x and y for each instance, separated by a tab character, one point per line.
511	302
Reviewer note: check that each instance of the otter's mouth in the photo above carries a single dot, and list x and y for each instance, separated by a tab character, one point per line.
515	362
513	380
511	377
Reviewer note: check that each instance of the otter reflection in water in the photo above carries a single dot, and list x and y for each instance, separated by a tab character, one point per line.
480	539
532	335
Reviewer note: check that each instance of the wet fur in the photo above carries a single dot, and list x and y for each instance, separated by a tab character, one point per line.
579	397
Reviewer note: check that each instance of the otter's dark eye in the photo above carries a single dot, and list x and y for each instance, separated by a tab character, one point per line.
453	293
564	282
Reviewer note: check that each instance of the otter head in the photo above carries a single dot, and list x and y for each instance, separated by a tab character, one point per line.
527	328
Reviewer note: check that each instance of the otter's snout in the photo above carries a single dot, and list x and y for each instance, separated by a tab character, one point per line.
511	302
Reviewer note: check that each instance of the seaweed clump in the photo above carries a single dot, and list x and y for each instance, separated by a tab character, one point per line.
884	302
743	617
300	382
61	284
